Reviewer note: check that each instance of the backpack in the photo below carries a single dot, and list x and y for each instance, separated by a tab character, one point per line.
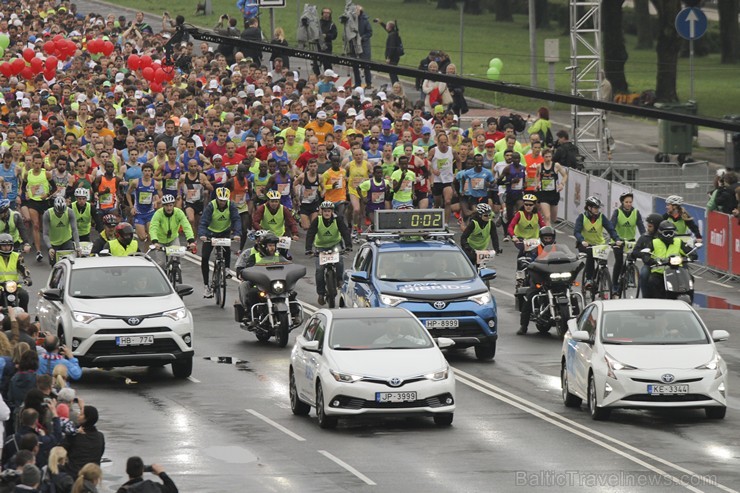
519	123
47	482
146	486
546	138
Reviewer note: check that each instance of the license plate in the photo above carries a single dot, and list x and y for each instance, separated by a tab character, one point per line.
85	248
395	396
284	242
175	251
442	324
224	242
667	389
134	340
531	244
328	258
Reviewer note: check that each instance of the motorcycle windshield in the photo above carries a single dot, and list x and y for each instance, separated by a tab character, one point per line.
555	258
264	275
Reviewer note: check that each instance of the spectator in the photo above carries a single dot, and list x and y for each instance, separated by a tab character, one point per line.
30	479
24	380
88	479
28	429
252	32
52	358
135	469
278	39
724	197
53	478
566	152
87	445
435	93
11	476
327	36
393	46
365	30
543	127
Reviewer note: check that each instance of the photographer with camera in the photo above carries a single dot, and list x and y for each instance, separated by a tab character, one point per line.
136	483
393	45
52	358
226	26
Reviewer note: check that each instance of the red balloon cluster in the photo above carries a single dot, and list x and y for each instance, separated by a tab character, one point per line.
30	66
60	47
99	46
154	73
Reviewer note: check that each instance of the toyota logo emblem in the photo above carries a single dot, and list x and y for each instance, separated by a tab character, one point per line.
667	378
395	382
133	321
440	305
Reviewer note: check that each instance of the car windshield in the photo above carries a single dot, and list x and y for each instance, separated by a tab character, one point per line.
424	265
652	327
118	282
380	333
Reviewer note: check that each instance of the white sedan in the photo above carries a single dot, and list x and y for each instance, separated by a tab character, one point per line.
377	361
643	354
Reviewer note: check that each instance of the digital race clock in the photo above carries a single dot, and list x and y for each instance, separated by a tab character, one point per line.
422	220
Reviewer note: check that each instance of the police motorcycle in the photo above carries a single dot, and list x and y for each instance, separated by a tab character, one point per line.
678	283
546	279
273	310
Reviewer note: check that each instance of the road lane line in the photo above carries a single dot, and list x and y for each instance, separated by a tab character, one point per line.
275	425
346	466
193	379
720	284
506	396
501	291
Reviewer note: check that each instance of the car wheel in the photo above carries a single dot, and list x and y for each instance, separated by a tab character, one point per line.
325	422
715	412
443	419
182	368
298	407
597	413
569	400
485	352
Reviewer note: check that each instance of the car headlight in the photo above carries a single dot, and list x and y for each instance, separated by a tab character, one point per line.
278	287
614	365
713	364
437	376
345	377
84	318
560	275
390	300
177	314
481	299
676	260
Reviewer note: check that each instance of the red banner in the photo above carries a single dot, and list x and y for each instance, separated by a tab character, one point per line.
735	246
718	244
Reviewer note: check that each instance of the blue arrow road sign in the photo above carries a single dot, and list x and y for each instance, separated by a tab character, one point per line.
691	23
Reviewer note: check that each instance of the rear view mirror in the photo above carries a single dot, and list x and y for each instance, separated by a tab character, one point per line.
52	294
443	342
311	346
360	277
581	336
183	290
487	274
720	335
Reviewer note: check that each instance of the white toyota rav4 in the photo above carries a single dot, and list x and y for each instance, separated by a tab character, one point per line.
118	311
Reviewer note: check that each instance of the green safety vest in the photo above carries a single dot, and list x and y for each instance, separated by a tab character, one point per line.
118	250
11	228
327	236
259	259
527	228
220	220
479	238
680	224
60	231
593	233
660	250
274	222
626	225
84	219
9	268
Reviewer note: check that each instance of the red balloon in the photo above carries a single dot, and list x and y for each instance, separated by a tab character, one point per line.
37	65
18	65
145	61
133	62
148	73
6	69
170	74
27	72
159	75
57	37
50	48
92	46
52	62
155	87
50	74
28	54
107	48
69	47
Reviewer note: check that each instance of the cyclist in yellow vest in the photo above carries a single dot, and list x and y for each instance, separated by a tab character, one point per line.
124	243
220	219
685	224
479	233
60	229
325	232
275	217
165	229
666	244
84	213
627	221
589	231
11	222
12	268
526	224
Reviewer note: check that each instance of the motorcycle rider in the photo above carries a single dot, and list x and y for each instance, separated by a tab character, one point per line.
627	221
220	219
646	241
589	231
326	232
110	222
11	222
526	223
683	221
12	268
664	245
60	228
124	243
479	232
547	238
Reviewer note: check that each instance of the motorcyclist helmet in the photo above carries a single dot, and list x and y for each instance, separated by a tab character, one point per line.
547	235
60	205
110	220
6	244
666	230
625	195
273	195
82	192
168	199
266	239
223	194
654	219
593	201
674	200
483	209
124	233
327	204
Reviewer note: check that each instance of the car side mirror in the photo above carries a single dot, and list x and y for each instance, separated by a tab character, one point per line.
581	336
572	325
52	294
311	346
360	277
487	274
720	335
183	290
443	342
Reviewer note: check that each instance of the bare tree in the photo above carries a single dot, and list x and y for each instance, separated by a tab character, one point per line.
728	30
667	49
615	52
643	25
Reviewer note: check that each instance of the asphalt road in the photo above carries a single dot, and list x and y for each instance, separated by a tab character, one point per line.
230	428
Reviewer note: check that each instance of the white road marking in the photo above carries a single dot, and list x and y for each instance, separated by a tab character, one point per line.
346	466
598	438
501	291
276	425
194	380
720	284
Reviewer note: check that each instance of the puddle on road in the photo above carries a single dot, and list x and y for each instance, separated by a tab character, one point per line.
240	364
714	302
232	454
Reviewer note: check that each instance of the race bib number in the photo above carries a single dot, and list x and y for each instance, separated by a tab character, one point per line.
240	199
477	183
309	195
37	190
193	194
175	251
170	184
483	256
107	199
283	188
145	198
377	197
260	191
337	182
406	185
328	258
548	184
284	242
531	182
517	185
219	177
8	187
531	244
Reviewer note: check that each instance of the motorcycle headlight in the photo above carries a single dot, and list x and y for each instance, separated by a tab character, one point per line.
481	299
614	365
676	260
390	300
84	318
439	375
11	286
177	314
345	377
560	275
278	287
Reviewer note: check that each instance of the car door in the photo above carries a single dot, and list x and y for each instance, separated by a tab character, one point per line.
299	359
356	291
583	350
366	294
49	312
314	361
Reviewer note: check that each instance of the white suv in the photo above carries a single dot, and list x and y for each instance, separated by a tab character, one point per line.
118	311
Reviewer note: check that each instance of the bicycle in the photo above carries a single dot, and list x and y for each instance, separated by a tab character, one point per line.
218	281
629	277
601	288
329	258
172	267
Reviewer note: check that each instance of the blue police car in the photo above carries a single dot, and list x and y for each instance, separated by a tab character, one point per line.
410	261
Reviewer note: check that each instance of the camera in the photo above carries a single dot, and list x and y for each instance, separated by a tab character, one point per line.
76	400
47	401
148	469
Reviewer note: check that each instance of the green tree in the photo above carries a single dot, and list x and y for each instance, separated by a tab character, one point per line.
503	11
728	30
667	49
643	25
615	52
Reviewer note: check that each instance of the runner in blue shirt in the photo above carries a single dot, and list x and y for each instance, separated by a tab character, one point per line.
474	185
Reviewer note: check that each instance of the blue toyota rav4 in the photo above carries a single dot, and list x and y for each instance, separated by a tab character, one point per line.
409	261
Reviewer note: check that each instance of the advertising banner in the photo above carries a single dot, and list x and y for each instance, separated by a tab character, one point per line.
599	187
735	246
717	241
576	197
643	202
617	190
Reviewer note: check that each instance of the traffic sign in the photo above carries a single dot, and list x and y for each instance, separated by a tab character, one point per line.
271	3
691	23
